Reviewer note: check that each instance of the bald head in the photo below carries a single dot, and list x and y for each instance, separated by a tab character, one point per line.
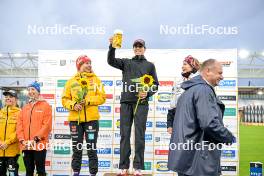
208	64
211	70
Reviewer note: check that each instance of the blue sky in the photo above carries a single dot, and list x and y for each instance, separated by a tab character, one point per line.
138	19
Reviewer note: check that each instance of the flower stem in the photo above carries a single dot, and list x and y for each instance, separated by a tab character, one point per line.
135	111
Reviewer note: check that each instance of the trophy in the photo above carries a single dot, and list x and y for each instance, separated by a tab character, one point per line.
117	39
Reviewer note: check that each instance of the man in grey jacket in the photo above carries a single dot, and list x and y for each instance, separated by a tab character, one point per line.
199	125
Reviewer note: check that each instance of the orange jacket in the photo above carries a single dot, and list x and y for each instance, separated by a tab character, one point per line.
35	119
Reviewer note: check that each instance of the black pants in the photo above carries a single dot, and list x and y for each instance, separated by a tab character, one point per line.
91	133
179	174
126	121
32	158
10	164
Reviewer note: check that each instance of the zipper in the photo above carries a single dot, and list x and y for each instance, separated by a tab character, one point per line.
6	126
30	121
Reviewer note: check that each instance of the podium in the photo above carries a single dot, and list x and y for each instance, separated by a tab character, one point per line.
114	174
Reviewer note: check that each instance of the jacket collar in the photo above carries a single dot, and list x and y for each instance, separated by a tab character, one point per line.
139	57
83	75
11	108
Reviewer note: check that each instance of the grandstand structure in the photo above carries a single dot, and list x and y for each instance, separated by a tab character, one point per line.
17	70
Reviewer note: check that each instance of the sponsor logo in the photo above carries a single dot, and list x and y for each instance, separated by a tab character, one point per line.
61	109
165	83
117	110
119	83
105	123
104	164
147	166
162	166
148	137
117	135
117	97
115	165
48	84
230	112
228	168
227	97
59	125
149	124
104	109
62	150
109	96
91	136
164	97
161	124
162	109
256	168
227	83
62	136
62	62
116	151
226	63
104	151
228	154
48	96
162	137
61	83
62	163
47	163
107	82
161	152
118	123
85	164
104	136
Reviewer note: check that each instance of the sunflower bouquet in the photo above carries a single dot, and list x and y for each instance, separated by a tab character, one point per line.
145	83
81	93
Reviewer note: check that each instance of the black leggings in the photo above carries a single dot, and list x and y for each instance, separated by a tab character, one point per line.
10	164
90	129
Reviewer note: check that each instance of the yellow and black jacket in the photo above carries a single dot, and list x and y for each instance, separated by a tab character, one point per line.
95	96
8	122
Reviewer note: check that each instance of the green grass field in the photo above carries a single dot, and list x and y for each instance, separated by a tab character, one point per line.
251	148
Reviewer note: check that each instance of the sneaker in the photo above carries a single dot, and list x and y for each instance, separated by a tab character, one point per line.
137	172
122	172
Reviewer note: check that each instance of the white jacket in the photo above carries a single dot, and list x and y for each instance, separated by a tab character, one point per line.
177	90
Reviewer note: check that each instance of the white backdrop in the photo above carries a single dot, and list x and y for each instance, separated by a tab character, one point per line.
55	67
